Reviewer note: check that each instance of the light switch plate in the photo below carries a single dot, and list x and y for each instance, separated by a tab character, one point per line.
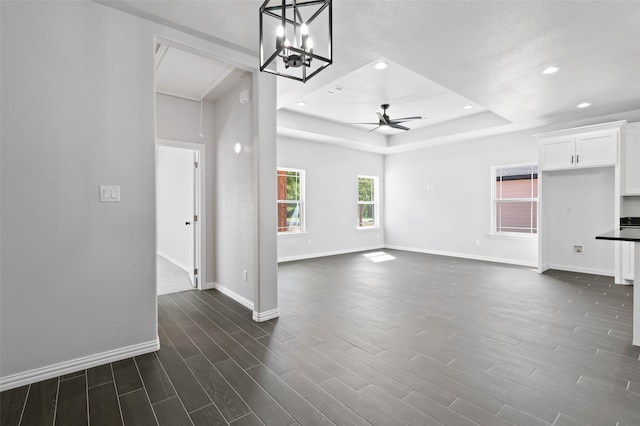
109	193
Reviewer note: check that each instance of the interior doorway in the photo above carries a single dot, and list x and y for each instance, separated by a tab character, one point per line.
179	229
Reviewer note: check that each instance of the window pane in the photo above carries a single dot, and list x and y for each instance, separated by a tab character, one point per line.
366	215
517	216
290	203
365	189
517	182
293	186
289	217
288	185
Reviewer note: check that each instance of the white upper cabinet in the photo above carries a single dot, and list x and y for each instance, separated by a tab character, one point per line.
631	160
557	153
590	146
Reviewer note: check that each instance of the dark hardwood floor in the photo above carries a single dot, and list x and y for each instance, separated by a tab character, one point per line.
418	340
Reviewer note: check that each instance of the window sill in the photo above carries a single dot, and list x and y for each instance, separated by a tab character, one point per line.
513	236
291	234
368	228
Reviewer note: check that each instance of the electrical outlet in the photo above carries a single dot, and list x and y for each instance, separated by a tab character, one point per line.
309	242
244	275
577	249
477	243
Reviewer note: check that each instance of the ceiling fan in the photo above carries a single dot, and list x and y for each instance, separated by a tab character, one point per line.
384	120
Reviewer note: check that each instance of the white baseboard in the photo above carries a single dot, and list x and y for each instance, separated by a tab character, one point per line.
327	253
466	256
572	268
66	367
232	294
257	316
266	315
175	262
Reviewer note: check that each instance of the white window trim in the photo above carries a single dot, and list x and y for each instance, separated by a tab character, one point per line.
492	227
303	219
375	203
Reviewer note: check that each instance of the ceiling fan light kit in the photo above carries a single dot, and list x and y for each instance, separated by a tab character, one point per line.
292	36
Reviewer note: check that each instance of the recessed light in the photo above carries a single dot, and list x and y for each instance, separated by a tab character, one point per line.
301	103
467	107
551	70
583	105
381	65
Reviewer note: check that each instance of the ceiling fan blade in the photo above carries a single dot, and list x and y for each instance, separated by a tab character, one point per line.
397	126
383	119
400	120
375	128
365	123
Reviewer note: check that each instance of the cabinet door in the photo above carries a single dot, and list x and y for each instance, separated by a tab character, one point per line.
597	149
632	161
557	153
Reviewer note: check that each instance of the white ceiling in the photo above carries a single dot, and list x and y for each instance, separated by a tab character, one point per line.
190	76
489	53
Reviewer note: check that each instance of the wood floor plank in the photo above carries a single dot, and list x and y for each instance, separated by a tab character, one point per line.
72	409
261	403
248	420
335	369
11	405
179	340
324	401
187	387
126	376
73	375
170	412
40	407
396	407
136	409
207	416
99	375
223	340
372	375
205	344
224	397
296	405
155	379
192	302
104	408
261	353
297	361
362	406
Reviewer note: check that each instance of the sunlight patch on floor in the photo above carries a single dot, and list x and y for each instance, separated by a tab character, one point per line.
378	256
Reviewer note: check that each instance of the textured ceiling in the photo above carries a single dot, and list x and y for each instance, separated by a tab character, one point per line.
488	52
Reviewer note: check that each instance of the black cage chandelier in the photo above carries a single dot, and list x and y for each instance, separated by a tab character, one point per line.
293	34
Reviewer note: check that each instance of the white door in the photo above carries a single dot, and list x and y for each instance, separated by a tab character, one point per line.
177	205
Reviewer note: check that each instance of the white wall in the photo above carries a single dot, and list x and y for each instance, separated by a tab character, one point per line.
235	210
438	199
78	276
579	204
179	120
175	205
331	199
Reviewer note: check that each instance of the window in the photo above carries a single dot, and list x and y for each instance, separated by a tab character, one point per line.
290	200
515	199
367	202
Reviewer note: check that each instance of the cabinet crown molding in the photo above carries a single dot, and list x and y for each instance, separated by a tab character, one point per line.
613	125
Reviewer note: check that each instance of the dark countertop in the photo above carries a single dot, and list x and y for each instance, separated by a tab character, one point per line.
622	234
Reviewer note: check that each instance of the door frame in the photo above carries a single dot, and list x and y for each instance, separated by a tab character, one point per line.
200	201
